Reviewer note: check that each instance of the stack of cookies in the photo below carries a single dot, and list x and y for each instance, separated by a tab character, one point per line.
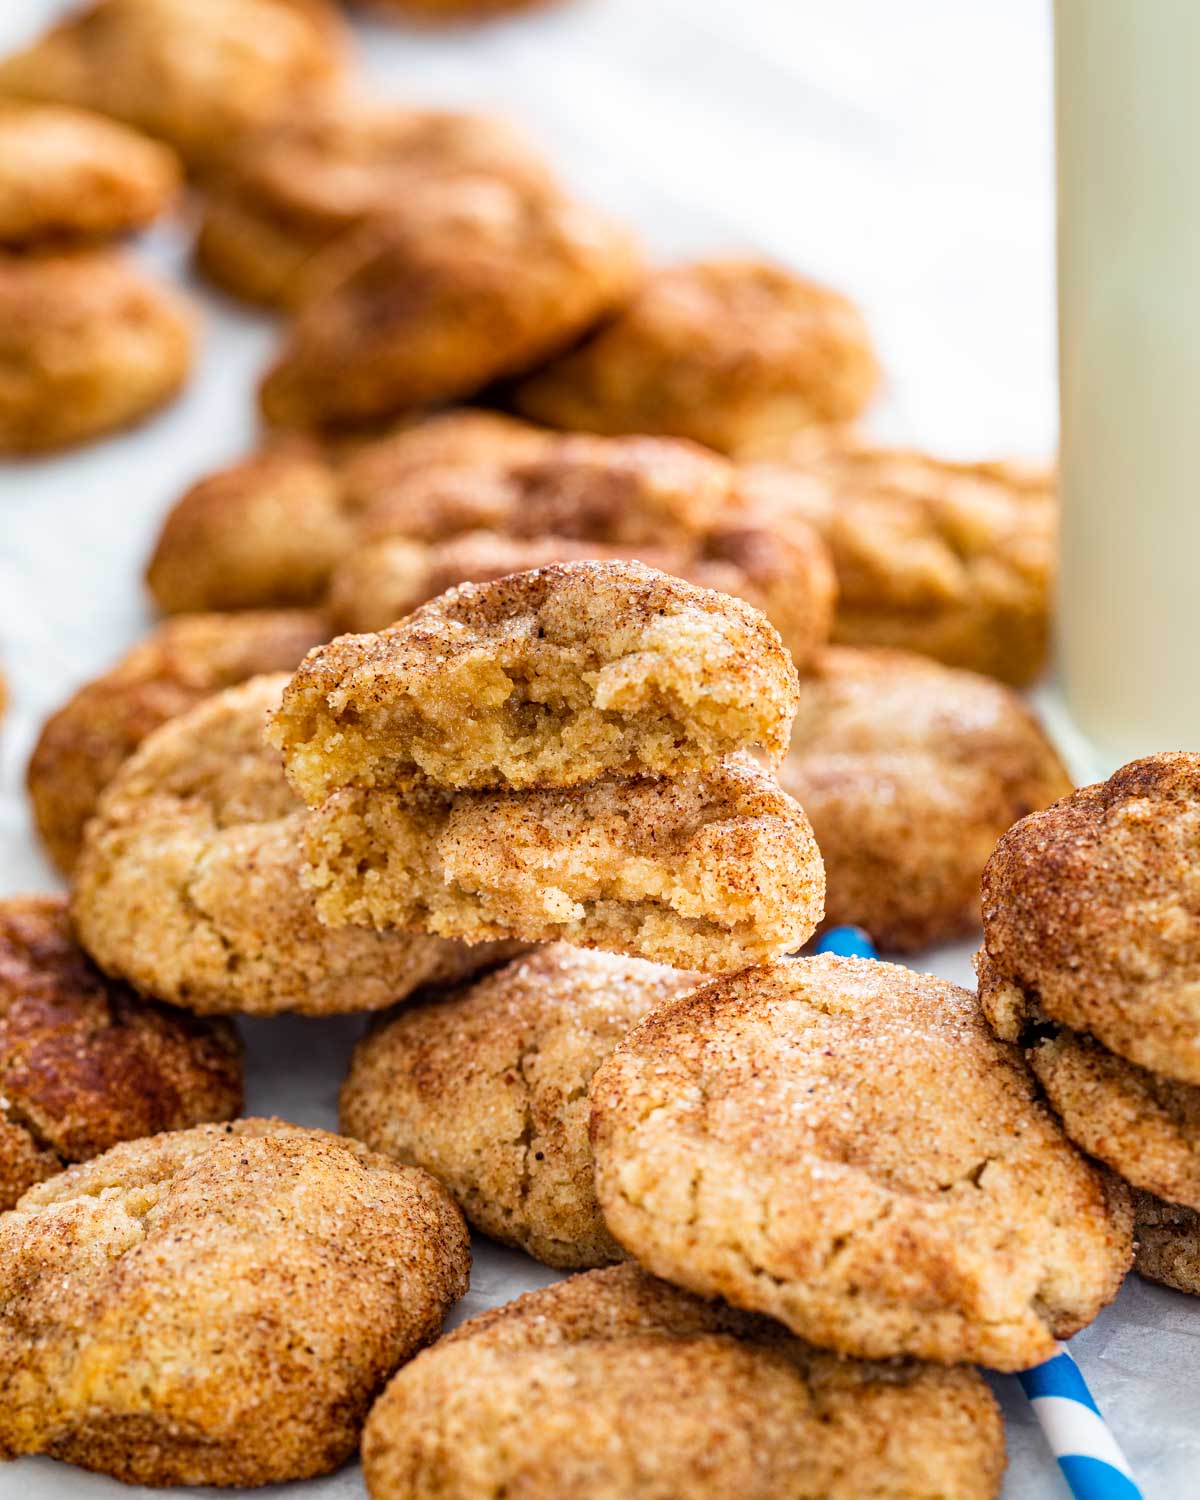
1091	962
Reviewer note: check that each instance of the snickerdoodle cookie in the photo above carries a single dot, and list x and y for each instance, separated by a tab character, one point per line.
181	662
270	530
955	561
189	883
486	1087
88	343
727	352
909	772
1168	1243
433	11
84	1063
541	679
661	501
466	281
615	1385
198	76
843	1144
218	1305
290	190
1141	1124
67	174
1091	917
712	869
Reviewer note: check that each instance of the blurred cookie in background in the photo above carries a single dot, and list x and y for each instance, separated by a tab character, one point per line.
446	12
182	661
68	175
290	190
729	353
195	76
468	281
84	1062
956	561
909	772
88	343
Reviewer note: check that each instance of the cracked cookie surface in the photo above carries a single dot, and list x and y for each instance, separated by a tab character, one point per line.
658	501
88	344
955	561
486	1087
197	76
69	175
189	884
176	666
615	1385
844	1145
542	679
909	772
473	281
84	1062
1091	911
218	1305
708	870
726	352
292	189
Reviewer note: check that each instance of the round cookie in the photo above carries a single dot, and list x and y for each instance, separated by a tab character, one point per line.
486	1087
197	76
1090	912
665	503
177	665
613	1384
66	174
84	1063
909	772
472	281
726	352
543	679
263	533
290	190
189	882
1168	1248
711	870
955	561
218	1305
844	1145
1142	1125
88	344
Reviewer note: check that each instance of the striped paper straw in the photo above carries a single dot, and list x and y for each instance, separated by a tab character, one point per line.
1087	1452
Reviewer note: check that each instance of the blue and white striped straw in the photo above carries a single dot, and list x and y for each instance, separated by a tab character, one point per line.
1080	1439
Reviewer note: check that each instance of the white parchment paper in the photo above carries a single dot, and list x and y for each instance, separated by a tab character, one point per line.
901	151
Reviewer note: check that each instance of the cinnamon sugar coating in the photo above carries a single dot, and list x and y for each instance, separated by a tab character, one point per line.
726	352
621	1387
843	1144
85	1063
177	665
540	679
292	189
69	175
218	1305
485	1086
711	870
196	76
1168	1249
189	885
470	281
1091	912
909	772
955	561
88	344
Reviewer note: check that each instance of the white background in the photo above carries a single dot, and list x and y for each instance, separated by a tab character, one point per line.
898	148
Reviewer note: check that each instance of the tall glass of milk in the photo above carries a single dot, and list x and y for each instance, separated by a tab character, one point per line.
1128	115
